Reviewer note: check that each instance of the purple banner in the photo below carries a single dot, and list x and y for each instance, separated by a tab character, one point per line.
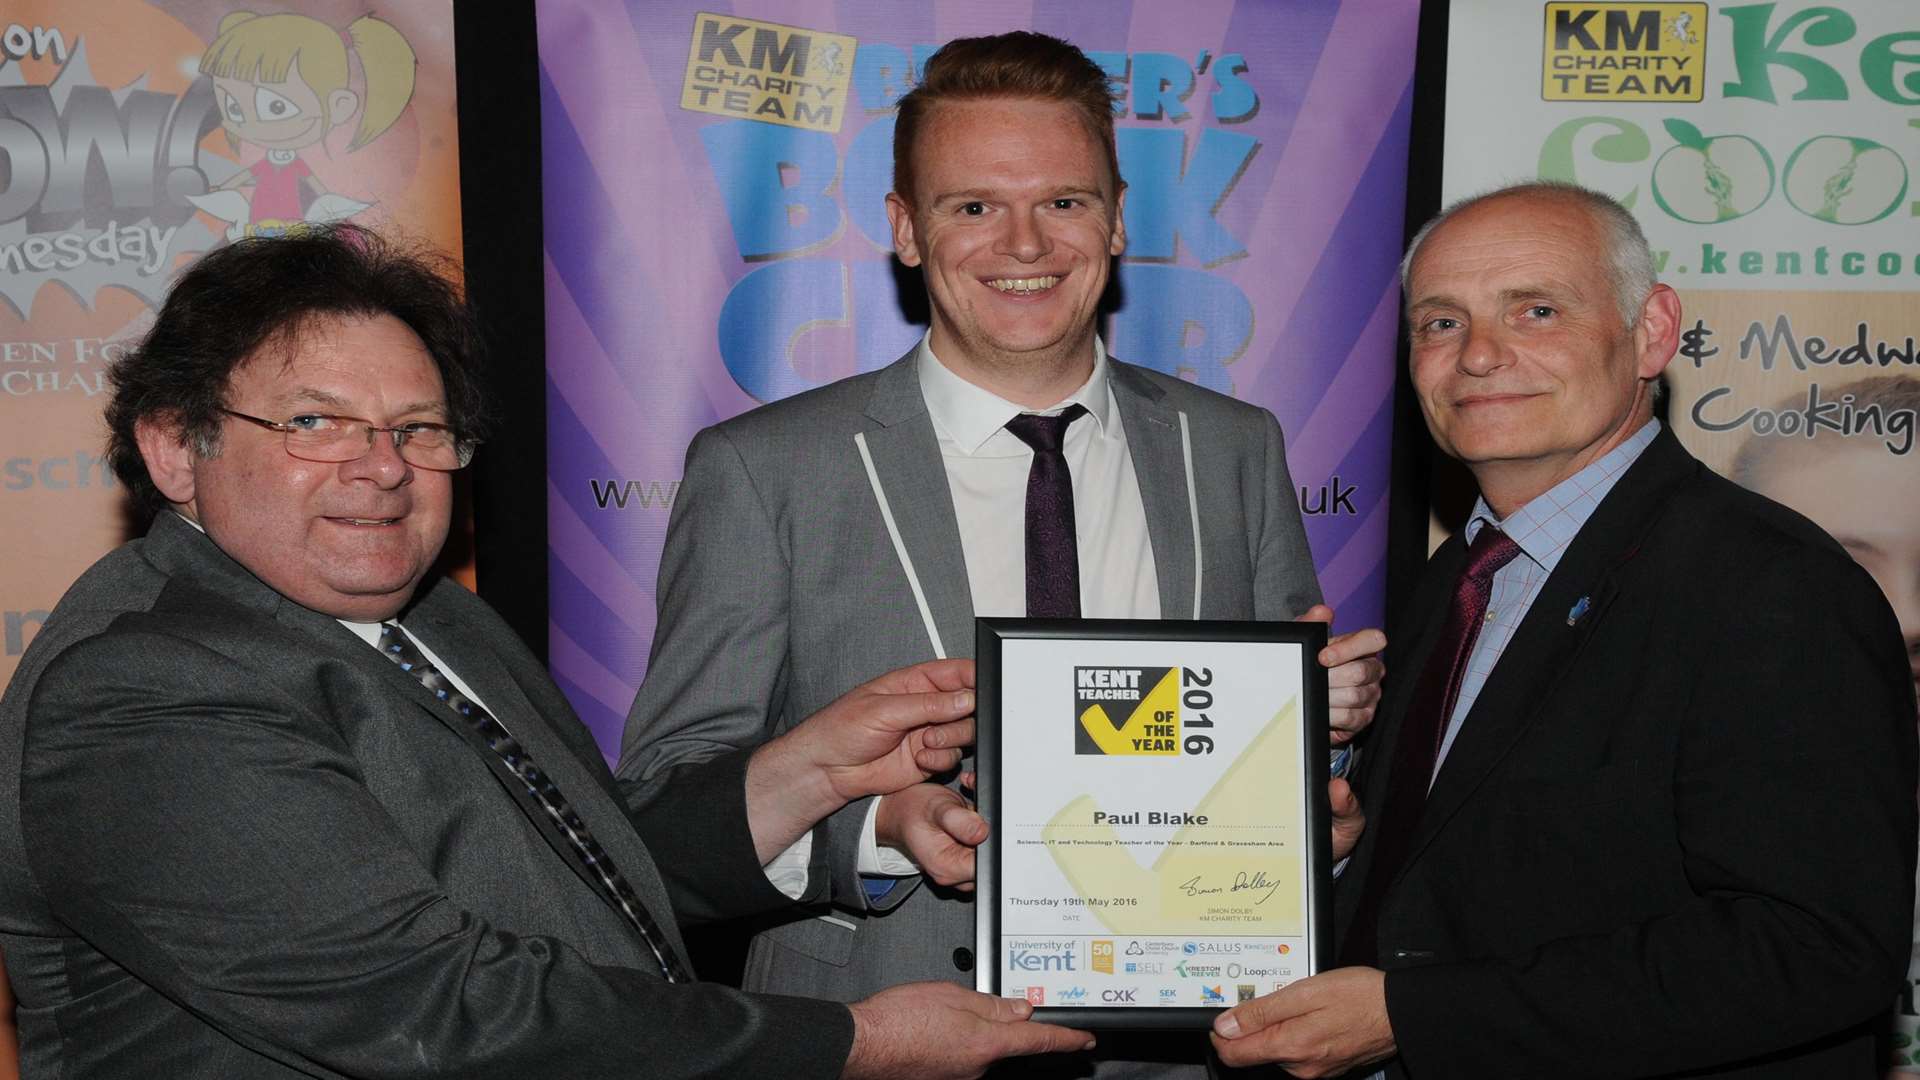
716	238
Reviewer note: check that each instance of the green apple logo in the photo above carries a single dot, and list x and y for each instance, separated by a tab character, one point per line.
1845	180
1706	180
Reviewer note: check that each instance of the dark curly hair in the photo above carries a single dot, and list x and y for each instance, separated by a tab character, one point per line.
263	293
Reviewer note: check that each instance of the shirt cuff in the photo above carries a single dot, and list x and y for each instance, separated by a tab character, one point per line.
878	860
788	870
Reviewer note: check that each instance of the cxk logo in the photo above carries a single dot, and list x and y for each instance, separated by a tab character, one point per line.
1625	52
1119	997
1128	711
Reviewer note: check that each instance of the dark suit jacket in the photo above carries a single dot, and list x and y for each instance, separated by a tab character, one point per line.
236	841
1675	835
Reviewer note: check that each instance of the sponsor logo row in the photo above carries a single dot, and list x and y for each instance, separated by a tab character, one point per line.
1146	956
1203	994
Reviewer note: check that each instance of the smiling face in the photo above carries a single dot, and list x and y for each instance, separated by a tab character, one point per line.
348	539
279	116
1014	220
1522	364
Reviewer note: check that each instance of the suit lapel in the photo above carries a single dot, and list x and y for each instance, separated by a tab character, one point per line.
906	457
495	680
1160	468
1550	638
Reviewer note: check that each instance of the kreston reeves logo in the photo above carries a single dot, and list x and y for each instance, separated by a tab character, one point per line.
1126	711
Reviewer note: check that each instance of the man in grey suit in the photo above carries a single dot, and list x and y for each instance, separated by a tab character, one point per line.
826	538
274	802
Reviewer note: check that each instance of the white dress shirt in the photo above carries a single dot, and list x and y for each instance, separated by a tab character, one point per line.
986	468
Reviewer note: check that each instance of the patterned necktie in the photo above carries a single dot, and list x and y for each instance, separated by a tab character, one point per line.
398	647
1422	732
1053	552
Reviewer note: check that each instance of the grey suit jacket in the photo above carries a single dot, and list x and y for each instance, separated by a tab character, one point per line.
236	841
781	589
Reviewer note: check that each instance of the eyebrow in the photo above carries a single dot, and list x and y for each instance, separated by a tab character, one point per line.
990	195
308	394
1553	290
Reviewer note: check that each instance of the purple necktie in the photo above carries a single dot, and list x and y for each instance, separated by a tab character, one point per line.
1425	727
400	649
1053	553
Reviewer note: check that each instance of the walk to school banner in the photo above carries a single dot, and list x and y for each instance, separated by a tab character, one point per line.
1771	153
138	136
714	177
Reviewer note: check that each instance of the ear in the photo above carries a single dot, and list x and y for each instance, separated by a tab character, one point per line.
340	106
1657	334
169	460
1117	243
900	217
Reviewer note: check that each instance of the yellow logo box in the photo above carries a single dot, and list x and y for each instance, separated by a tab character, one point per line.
765	71
1624	52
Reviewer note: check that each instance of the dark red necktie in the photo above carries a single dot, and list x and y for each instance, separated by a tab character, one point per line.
1418	747
1053	552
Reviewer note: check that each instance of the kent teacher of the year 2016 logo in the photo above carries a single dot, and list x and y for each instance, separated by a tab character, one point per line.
1137	711
1624	52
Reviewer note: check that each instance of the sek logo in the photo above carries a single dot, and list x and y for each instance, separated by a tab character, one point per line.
1119	997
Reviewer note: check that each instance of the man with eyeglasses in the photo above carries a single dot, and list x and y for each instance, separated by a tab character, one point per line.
275	802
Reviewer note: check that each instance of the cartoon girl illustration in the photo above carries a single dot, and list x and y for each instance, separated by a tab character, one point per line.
280	82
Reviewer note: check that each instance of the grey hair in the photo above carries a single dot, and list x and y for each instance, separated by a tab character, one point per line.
1629	260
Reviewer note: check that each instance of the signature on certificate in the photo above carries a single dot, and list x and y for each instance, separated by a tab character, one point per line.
1257	882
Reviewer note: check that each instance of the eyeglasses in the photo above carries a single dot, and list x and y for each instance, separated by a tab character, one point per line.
319	437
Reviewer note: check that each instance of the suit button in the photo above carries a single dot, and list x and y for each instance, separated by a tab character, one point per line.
963	959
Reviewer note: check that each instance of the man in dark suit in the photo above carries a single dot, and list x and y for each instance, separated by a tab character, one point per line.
831	536
274	802
1640	802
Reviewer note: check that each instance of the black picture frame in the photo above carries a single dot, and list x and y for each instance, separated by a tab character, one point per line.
992	638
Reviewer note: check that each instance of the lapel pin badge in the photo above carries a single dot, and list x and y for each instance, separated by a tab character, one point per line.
1578	609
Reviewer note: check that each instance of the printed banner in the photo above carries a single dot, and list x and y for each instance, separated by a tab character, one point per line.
714	178
1769	150
140	135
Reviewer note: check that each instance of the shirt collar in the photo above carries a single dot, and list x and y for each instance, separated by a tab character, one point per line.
968	415
1546	525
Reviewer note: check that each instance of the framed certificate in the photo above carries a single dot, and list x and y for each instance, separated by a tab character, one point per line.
1157	793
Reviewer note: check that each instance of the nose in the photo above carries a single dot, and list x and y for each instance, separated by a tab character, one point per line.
1483	351
382	463
1025	238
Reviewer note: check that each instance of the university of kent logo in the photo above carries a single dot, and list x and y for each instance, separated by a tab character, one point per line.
1624	52
1126	711
765	71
